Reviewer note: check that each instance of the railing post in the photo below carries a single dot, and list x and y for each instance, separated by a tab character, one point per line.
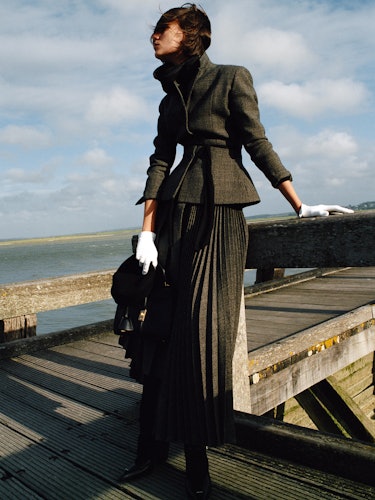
20	327
240	366
268	274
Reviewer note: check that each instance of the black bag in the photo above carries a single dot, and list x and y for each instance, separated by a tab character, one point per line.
155	318
129	285
145	302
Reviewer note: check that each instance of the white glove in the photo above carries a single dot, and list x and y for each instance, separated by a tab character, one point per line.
146	251
321	210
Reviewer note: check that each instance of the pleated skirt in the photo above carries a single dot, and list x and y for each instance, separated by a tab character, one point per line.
196	404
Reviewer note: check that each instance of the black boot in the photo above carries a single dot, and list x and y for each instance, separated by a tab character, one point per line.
149	451
138	469
198	482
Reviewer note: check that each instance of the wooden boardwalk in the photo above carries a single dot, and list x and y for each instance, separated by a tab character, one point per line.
286	311
68	414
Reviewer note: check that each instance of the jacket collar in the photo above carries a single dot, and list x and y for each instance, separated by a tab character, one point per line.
169	74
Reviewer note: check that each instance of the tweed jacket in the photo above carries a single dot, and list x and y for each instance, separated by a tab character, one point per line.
218	116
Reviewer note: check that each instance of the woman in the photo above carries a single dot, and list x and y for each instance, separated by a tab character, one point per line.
194	227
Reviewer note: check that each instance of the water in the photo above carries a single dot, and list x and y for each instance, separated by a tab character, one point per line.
49	258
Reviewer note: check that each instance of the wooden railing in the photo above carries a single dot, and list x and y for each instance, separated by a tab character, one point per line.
332	242
335	241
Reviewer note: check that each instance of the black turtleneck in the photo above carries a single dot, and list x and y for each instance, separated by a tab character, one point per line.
183	74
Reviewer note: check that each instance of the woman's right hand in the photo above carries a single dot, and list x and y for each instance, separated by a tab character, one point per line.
146	251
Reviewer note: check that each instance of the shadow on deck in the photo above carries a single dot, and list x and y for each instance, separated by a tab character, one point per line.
68	428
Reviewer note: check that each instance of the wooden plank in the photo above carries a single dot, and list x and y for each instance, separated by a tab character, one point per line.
17	328
91	354
13	489
322	451
47	420
85	449
46	472
283	312
117	428
357	376
341	240
235	472
282	376
333	410
55	293
315	336
274	390
16	348
101	373
87	387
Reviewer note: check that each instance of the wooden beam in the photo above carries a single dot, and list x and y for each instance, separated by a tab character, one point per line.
292	365
332	410
333	454
55	293
334	241
40	342
20	327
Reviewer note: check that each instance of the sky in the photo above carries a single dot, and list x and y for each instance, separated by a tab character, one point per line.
79	104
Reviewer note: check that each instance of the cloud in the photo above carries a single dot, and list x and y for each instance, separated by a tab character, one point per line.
96	157
115	106
330	159
313	98
25	176
273	50
331	144
24	136
77	95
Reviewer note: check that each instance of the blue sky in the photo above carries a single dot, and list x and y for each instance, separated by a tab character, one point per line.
78	104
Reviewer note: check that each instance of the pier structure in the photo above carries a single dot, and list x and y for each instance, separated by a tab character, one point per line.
303	380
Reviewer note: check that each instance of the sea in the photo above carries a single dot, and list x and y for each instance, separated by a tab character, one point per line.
40	258
36	259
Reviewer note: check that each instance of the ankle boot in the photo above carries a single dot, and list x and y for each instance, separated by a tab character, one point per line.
149	453
198	482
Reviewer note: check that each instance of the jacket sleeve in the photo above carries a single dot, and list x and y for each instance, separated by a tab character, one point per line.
245	114
162	159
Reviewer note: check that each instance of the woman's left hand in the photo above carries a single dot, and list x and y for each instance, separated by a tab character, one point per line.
322	210
146	251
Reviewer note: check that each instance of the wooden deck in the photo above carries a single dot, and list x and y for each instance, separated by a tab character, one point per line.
68	414
286	311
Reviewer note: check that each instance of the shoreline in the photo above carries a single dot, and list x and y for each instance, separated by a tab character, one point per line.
108	233
68	237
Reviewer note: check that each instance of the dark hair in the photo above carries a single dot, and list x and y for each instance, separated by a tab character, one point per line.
195	24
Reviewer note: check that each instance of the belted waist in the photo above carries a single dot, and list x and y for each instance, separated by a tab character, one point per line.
234	148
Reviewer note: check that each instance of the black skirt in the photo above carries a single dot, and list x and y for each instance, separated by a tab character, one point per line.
195	367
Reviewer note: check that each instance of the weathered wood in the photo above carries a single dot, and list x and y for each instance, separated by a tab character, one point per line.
55	293
268	274
356	379
342	240
317	338
241	386
67	426
298	362
32	344
358	376
345	457
322	418
20	327
293	413
335	241
342	410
